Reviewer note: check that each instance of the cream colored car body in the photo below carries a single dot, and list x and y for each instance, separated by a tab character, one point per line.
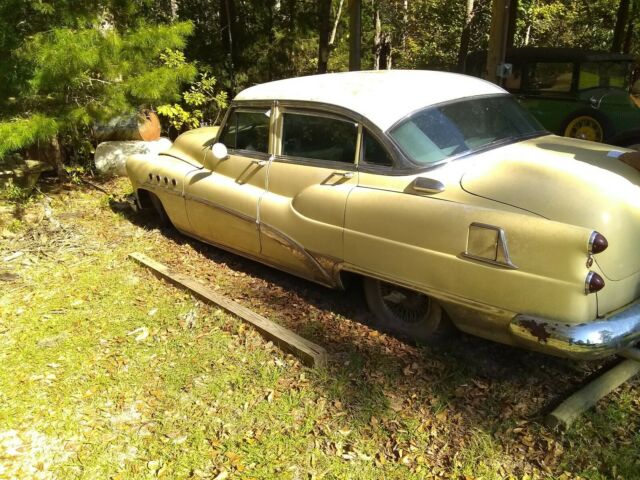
499	237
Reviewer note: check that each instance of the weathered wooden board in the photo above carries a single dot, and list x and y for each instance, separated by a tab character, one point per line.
574	406
308	352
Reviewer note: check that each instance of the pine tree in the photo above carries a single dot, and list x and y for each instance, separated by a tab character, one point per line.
62	79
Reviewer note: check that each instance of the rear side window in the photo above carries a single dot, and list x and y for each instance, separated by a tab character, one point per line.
319	138
604	74
247	130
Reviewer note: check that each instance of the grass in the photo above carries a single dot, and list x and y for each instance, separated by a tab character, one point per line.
107	372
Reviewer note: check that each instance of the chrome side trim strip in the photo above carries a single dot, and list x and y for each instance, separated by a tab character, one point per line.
256	258
495	263
272	231
160	188
217	206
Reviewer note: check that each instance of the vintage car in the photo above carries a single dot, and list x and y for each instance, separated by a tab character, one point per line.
573	92
439	190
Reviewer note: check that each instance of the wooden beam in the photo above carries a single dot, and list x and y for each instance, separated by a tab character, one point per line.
355	34
574	406
308	352
497	39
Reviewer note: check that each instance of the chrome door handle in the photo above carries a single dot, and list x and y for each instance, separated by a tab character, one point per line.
343	174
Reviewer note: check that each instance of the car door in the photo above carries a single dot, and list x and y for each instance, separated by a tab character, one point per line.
222	198
310	177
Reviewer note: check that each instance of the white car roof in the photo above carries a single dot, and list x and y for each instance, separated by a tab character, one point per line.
382	96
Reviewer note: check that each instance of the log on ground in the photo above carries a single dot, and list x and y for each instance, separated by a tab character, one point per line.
308	352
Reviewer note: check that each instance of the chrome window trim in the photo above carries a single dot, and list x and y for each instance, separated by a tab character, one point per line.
247	107
311	162
401	164
315	162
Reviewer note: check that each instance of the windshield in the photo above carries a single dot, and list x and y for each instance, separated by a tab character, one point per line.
437	133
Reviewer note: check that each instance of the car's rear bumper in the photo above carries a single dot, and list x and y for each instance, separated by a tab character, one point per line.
581	341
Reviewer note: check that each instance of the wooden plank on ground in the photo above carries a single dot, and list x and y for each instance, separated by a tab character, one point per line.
574	406
308	352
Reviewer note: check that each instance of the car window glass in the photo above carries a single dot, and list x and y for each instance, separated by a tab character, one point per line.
319	138
373	152
604	74
550	77
247	130
437	133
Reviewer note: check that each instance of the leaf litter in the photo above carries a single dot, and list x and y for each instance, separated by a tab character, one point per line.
467	410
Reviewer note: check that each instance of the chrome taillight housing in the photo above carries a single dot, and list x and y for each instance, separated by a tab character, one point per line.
593	283
597	243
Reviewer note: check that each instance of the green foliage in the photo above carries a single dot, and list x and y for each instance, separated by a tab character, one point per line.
76	76
203	104
15	194
19	132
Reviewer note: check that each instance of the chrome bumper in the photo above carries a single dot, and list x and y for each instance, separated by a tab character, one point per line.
585	341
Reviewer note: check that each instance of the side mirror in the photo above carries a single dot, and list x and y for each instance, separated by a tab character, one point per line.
219	151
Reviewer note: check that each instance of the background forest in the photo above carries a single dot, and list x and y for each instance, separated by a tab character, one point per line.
67	64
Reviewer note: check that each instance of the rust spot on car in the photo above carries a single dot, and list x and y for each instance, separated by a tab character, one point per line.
538	330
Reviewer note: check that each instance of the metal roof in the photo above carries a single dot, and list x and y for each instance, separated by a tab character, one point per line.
382	96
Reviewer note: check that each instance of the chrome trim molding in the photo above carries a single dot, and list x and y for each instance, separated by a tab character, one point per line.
500	245
494	263
160	188
589	340
222	208
587	281
272	232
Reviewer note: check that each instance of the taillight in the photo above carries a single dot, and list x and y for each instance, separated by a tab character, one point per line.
594	283
597	243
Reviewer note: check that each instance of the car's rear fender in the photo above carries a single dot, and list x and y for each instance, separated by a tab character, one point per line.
420	242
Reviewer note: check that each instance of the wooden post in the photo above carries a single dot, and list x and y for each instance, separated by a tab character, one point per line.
355	34
308	352
574	406
497	39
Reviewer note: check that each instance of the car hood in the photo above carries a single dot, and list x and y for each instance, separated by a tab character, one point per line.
570	181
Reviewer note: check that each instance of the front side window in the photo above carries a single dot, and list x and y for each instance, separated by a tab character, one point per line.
550	77
247	130
318	138
437	133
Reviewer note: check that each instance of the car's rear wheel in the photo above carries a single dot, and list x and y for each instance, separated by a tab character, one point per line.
402	312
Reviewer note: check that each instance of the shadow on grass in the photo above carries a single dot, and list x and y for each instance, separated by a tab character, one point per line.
471	390
369	373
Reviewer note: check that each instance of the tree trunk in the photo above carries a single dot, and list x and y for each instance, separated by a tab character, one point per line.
324	20
385	52
465	37
355	32
377	37
405	22
513	17
173	9
228	29
332	40
622	18
628	38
